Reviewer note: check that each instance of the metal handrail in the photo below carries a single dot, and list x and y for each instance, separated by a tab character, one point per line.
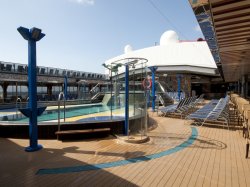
95	96
61	95
94	88
18	100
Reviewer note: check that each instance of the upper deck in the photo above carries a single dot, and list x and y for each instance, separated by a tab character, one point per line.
14	72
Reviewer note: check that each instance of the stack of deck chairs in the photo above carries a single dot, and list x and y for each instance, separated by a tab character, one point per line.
242	110
216	111
183	108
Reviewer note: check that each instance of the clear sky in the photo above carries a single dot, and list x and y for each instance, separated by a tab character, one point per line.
82	34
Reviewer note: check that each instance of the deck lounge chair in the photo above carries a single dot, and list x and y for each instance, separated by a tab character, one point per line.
214	111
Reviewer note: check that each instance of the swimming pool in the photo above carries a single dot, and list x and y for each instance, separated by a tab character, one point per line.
70	112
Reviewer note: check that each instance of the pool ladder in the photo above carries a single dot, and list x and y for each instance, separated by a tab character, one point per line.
60	96
20	102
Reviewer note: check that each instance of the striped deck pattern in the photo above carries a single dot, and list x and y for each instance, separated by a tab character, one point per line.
215	158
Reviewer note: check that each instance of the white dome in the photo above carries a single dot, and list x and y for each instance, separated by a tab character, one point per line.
169	37
128	49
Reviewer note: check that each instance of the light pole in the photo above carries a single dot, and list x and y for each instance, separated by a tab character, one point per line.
32	35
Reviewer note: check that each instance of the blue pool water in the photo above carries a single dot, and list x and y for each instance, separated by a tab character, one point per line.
53	114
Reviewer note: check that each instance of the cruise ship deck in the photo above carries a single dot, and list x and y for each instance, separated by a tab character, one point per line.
177	154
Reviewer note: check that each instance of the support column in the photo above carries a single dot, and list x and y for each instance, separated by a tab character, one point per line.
126	100
32	97
5	94
246	86
153	70
49	90
32	35
243	86
238	87
65	87
179	86
111	92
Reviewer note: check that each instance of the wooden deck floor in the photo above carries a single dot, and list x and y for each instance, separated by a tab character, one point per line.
216	158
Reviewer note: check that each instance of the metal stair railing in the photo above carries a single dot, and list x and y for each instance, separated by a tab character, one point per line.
93	90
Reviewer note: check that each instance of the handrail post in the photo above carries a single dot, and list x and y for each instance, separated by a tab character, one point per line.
58	115
59	98
18	100
64	107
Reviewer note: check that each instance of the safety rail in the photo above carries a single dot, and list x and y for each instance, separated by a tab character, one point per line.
98	94
18	100
93	90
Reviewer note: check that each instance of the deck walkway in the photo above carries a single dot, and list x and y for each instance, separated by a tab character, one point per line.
215	158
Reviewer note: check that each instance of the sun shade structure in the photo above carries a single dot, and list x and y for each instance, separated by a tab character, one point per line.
226	27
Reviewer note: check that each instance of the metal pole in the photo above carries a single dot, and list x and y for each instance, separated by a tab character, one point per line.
111	93
58	115
153	70
64	109
153	90
146	109
33	133
65	94
134	88
126	99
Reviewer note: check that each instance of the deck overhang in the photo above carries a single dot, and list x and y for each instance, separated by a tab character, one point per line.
226	28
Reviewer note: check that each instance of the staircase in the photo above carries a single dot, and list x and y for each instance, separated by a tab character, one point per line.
163	96
98	97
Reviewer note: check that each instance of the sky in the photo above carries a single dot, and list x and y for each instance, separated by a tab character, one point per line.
83	34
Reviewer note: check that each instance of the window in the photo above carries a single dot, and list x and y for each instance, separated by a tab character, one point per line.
8	67
42	70
20	68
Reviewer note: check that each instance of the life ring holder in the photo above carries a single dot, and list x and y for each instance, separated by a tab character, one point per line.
147	83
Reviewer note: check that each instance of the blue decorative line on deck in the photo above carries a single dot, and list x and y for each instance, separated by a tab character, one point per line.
185	144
